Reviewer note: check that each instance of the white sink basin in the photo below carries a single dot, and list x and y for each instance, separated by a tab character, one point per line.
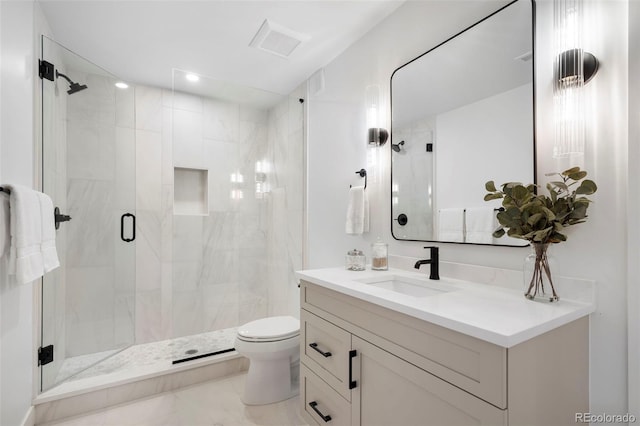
409	286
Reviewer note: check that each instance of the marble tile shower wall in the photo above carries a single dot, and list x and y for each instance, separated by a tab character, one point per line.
198	273
99	187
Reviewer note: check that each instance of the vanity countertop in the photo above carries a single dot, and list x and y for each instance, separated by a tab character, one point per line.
494	314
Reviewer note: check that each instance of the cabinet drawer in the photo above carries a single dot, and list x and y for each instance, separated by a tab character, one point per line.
321	404
471	364
325	349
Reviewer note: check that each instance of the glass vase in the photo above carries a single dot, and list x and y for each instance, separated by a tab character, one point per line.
538	274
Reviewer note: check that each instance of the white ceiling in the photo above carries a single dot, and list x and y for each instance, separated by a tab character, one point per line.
142	41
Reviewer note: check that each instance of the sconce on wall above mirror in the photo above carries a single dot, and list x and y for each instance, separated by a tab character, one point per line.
452	130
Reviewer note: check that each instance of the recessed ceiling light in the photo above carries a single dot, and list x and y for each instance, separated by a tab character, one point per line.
192	77
122	85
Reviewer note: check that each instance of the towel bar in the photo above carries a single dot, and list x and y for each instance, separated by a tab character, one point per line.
362	173
5	190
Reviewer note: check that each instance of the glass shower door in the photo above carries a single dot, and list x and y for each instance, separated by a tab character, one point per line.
88	169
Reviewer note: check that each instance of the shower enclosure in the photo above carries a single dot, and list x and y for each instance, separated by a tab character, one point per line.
186	209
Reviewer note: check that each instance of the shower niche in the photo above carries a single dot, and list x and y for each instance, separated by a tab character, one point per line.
191	191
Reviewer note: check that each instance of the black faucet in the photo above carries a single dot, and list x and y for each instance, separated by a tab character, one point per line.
434	261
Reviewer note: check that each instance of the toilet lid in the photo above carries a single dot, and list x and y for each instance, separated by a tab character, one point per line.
272	328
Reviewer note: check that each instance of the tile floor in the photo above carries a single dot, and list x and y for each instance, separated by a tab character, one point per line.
214	403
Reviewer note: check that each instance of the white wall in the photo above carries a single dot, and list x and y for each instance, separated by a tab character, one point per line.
337	128
596	250
17	159
634	211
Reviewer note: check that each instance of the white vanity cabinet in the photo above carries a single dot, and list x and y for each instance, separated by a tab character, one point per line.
364	364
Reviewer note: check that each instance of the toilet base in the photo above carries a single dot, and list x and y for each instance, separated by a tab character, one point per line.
270	381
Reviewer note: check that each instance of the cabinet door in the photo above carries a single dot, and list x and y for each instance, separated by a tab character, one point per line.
391	391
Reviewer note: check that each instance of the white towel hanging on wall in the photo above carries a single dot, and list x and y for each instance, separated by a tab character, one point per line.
32	250
357	211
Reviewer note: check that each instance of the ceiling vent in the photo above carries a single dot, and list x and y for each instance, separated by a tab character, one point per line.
276	39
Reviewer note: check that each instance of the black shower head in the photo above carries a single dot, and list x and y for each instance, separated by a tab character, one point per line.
397	146
73	87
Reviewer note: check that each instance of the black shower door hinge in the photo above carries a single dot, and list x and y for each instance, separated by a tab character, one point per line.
45	355
46	70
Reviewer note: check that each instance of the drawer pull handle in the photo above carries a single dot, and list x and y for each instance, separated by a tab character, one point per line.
314	346
314	405
352	383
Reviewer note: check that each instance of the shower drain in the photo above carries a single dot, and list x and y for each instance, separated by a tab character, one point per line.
191	352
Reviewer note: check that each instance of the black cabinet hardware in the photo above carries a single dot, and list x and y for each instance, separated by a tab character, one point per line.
314	405
352	355
314	346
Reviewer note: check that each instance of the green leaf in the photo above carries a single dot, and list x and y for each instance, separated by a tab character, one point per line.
498	233
534	218
571	171
490	186
493	196
587	187
520	193
552	193
563	186
578	175
549	214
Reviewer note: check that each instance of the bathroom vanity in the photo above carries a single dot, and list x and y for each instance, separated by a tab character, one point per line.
394	348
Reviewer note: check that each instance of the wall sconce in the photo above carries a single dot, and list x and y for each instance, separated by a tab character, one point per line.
573	67
377	136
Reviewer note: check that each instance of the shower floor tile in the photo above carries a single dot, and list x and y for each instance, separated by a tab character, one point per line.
147	354
215	402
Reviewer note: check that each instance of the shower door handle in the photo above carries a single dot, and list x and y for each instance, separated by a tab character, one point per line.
133	227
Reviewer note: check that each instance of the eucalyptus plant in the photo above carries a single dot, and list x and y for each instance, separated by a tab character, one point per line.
541	219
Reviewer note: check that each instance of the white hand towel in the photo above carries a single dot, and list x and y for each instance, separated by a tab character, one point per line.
5	232
451	225
25	253
357	211
48	245
479	225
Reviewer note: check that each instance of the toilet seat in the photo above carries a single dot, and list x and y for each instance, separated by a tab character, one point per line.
269	329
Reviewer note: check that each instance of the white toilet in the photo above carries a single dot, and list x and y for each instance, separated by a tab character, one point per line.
273	348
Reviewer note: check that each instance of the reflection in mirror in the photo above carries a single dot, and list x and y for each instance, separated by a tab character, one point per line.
462	114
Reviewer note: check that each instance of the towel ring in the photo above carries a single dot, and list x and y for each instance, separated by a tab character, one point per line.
363	174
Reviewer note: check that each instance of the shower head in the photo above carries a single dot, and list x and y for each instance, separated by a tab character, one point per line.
73	87
397	147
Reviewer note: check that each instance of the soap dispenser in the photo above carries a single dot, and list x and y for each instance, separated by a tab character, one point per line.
379	252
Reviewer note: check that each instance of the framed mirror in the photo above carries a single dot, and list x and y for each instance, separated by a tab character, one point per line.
462	114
